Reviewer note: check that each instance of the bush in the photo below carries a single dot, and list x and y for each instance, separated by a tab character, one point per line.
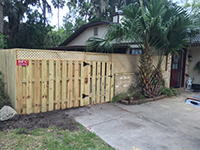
168	91
4	98
133	92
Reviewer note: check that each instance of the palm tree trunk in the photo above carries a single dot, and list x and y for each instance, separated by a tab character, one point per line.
58	21
158	78
146	72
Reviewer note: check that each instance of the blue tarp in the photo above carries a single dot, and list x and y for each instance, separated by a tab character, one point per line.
193	102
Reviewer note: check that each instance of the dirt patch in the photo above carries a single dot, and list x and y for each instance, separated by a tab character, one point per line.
58	118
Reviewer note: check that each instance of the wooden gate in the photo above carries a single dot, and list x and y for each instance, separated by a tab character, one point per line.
98	82
46	85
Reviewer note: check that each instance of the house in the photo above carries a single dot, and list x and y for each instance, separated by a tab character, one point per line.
180	64
77	41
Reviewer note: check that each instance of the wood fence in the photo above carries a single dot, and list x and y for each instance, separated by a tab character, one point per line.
54	80
53	83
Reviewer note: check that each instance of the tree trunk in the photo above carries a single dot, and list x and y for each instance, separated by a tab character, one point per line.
1	16
58	21
44	11
146	73
1	20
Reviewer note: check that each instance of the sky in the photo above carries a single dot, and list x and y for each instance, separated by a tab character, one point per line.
53	19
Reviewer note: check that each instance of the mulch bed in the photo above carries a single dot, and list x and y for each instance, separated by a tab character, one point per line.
140	101
58	118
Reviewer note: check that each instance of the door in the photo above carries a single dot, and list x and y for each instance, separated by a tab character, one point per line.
175	70
178	69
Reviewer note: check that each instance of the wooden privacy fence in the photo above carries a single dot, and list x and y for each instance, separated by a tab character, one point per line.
57	80
53	80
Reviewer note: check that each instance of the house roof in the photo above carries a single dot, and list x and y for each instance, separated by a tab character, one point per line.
81	29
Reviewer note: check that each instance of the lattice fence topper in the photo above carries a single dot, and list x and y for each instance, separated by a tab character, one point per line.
125	63
99	57
49	55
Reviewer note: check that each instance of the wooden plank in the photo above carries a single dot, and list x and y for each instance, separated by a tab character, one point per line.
29	88
108	83
112	82
87	85
37	85
5	72
93	82
76	86
19	90
24	89
44	85
82	84
64	78
13	82
51	85
98	82
103	83
57	85
69	84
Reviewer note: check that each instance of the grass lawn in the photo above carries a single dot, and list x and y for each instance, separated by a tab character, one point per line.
51	139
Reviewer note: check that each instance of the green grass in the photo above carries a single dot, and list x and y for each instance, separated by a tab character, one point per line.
51	139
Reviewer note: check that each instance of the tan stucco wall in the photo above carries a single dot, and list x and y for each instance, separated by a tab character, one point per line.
195	53
126	67
84	36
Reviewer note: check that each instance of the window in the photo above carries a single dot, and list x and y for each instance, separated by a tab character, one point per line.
136	51
95	31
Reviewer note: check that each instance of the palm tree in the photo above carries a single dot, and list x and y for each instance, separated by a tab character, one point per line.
155	25
58	4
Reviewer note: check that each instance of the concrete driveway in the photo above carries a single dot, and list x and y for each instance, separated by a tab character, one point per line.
167	124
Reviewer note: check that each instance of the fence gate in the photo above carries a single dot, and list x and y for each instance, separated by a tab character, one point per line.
98	82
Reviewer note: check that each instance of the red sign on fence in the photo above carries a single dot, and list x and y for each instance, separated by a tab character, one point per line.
22	62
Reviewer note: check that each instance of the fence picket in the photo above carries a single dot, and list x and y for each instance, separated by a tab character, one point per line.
57	85
51	85
98	82
112	82
76	83
93	83
109	81
44	85
19	91
29	88
37	85
64	77
82	101
103	83
70	84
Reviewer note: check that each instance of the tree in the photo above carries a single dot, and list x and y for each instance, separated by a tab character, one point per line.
58	4
44	5
73	21
15	11
193	6
32	33
151	26
1	16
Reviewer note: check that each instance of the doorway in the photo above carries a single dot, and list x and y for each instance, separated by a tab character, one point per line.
178	69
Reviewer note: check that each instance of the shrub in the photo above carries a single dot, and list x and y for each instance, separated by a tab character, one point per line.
4	98
168	91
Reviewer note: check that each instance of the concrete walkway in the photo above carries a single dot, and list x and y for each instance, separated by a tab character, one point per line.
167	124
